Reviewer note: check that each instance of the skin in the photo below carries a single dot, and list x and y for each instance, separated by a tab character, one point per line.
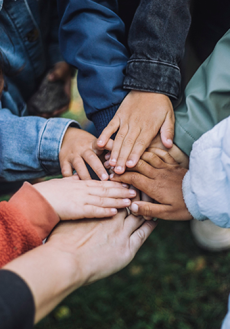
141	116
72	198
80	147
80	252
159	176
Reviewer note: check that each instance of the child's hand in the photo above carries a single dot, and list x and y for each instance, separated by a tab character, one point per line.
138	120
78	147
72	198
160	177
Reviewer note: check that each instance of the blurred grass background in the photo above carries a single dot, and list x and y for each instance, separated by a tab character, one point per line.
170	284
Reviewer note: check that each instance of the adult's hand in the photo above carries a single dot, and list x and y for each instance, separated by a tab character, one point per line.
138	120
79	253
159	176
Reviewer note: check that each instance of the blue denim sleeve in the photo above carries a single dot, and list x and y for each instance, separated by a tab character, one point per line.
92	38
29	146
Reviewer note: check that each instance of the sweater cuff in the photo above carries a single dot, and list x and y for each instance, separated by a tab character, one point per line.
102	118
190	199
35	209
153	76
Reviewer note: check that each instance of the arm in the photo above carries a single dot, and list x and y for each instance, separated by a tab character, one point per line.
80	253
29	146
206	98
156	41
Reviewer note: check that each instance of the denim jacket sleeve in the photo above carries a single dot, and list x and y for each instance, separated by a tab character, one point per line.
156	41
29	146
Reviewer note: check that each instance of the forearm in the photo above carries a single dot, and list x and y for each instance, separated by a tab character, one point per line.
29	146
39	268
206	185
92	38
206	98
156	41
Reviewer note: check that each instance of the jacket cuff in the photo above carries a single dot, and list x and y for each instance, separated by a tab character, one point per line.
153	76
190	199
35	209
16	302
102	118
51	141
183	138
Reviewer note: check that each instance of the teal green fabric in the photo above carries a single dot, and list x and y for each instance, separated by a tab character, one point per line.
207	97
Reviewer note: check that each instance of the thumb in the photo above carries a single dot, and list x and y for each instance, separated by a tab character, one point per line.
167	131
147	209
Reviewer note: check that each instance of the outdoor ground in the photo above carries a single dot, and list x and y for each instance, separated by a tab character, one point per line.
170	284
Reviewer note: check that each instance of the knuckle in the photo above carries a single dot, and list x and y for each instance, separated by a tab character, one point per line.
141	235
147	210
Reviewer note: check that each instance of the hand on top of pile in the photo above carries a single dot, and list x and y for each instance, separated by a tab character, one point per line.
141	116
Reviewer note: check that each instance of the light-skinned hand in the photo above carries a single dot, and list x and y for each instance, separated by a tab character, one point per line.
79	253
159	176
138	120
72	198
80	147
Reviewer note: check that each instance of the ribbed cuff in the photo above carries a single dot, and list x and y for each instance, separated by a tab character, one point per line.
102	118
36	209
153	76
190	199
16	302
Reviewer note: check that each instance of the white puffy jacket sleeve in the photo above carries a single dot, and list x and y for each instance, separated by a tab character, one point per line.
206	186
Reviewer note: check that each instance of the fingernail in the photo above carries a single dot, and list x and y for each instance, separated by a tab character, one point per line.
106	164
100	142
147	217
127	201
104	177
134	207
169	141
114	210
119	168
130	163
132	192
107	156
125	185
111	176
113	161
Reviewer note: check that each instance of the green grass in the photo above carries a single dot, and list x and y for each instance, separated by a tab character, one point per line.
170	284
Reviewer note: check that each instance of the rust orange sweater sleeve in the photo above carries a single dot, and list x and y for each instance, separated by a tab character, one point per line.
24	222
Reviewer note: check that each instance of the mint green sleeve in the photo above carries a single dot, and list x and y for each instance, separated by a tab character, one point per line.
207	97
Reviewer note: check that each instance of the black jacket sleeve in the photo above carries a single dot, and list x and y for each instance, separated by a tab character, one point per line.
156	41
16	302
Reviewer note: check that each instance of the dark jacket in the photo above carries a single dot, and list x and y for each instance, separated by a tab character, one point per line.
113	56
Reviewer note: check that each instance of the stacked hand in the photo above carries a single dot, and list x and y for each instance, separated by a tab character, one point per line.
139	119
159	176
72	198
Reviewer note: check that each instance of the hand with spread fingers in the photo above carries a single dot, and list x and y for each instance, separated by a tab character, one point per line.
78	148
159	176
141	116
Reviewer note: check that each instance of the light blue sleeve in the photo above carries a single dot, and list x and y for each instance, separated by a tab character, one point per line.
29	146
206	186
